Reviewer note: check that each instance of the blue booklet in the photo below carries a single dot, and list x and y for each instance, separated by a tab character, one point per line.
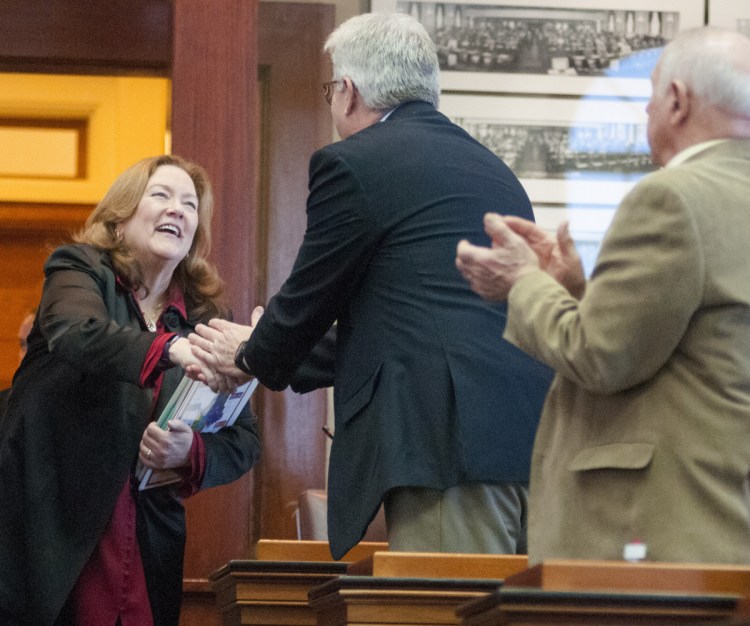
205	411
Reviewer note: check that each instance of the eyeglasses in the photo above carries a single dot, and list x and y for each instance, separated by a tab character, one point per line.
328	90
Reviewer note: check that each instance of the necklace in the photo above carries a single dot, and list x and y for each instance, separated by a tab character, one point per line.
153	317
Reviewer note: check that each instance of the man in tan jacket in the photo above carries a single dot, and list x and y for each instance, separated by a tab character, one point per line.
645	434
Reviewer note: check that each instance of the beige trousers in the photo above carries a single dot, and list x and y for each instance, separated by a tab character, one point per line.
484	518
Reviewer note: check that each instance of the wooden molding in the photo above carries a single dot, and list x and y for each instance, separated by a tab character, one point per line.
86	36
31	218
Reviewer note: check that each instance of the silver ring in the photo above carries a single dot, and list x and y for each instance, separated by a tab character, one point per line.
148	453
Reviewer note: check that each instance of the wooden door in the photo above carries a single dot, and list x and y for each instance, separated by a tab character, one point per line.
28	232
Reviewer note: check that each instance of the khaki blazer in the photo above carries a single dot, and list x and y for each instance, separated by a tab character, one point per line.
645	433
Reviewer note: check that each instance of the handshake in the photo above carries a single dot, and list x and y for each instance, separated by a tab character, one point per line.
212	351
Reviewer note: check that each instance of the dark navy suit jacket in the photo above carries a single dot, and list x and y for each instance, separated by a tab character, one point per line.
426	391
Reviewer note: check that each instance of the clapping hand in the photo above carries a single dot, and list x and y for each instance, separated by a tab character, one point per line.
491	272
518	247
557	254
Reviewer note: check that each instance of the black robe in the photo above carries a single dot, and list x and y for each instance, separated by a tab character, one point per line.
71	438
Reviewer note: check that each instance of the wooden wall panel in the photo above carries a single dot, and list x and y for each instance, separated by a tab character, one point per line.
22	257
214	115
86	36
296	121
28	232
120	120
255	240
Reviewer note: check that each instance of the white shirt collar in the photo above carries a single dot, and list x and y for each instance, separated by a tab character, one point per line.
385	117
691	151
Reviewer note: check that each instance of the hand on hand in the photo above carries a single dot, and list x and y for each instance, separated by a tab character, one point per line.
214	346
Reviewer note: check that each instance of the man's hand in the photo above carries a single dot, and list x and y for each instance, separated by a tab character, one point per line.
214	346
557	254
491	272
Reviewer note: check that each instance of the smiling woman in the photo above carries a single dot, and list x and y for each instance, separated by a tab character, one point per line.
160	232
105	353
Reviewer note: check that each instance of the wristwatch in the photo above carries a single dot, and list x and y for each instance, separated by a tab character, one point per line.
164	361
239	358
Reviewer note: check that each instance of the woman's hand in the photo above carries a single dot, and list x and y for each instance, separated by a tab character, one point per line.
166	449
181	353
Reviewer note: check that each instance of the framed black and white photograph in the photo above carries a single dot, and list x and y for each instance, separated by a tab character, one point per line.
605	47
734	14
564	150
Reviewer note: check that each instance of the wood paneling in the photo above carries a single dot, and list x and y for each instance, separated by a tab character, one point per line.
296	121
53	220
213	123
214	116
257	159
28	232
86	36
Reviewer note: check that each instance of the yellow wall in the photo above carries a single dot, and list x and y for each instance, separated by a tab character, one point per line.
119	120
63	140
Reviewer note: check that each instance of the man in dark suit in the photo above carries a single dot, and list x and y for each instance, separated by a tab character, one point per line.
435	414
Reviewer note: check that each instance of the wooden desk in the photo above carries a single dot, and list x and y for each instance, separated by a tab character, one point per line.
410	588
516	606
570	575
272	589
283	550
612	592
361	600
439	565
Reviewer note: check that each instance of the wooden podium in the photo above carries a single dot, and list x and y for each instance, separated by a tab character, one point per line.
272	588
409	589
594	593
439	565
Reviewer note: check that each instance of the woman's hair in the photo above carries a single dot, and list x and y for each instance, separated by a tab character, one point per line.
389	57
708	60
196	277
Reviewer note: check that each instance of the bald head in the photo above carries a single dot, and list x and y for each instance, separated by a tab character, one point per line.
701	91
714	63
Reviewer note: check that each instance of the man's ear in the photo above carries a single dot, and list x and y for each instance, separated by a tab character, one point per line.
680	102
350	95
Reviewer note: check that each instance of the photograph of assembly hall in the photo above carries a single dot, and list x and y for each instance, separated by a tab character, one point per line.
559	93
545	40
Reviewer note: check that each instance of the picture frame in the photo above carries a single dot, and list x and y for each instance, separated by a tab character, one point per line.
565	150
734	14
603	47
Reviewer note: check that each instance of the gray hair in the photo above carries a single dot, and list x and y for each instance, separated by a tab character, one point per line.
710	62
389	57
